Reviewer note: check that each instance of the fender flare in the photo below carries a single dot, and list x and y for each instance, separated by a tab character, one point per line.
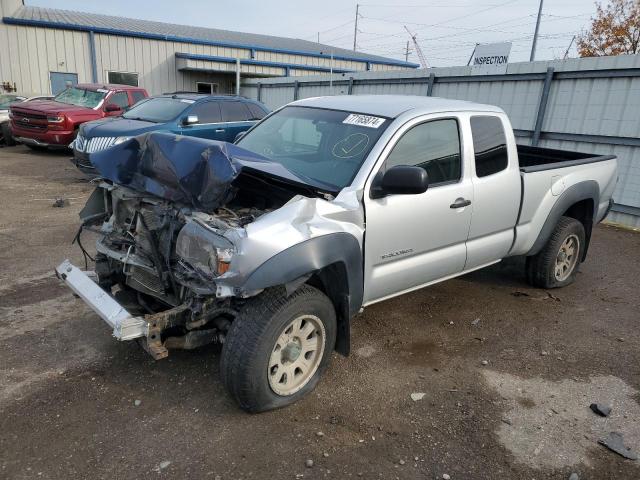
587	190
297	263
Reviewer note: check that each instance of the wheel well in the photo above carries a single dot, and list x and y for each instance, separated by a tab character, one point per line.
332	280
583	211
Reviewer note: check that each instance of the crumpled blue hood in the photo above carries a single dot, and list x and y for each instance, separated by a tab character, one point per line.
118	127
187	170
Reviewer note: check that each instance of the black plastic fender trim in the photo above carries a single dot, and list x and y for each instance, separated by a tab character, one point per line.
587	190
311	256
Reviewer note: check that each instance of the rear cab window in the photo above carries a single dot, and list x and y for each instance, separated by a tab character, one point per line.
489	145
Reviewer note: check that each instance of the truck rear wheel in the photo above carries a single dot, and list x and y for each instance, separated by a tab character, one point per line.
556	265
278	347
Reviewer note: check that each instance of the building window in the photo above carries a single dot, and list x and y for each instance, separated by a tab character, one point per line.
206	87
123	78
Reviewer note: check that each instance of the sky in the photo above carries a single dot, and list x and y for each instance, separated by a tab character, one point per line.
446	30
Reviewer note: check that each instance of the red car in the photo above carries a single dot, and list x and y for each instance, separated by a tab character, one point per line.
54	123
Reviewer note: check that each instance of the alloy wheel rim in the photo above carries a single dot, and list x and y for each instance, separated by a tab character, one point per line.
567	258
296	355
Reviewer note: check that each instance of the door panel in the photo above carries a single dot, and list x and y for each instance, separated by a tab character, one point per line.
496	190
412	240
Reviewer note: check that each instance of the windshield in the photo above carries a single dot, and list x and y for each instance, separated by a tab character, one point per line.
6	100
81	97
158	110
327	146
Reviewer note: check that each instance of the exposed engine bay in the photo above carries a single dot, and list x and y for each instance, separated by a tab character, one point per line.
154	255
179	253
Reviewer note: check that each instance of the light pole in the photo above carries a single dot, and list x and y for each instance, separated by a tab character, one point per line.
535	35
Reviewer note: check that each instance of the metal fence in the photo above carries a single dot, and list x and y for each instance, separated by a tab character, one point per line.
589	105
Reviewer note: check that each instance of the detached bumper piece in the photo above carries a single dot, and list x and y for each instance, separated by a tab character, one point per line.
125	326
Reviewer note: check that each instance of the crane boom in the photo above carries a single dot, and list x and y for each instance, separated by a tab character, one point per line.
421	57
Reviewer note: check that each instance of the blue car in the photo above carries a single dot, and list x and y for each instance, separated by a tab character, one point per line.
216	117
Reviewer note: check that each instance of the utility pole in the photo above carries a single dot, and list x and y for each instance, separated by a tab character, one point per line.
318	37
535	35
471	57
355	30
406	53
566	53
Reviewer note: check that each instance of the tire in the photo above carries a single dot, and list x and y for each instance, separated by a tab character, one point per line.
6	135
36	148
556	265
256	362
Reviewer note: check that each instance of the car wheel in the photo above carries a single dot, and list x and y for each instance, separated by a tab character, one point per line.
278	347
556	265
5	131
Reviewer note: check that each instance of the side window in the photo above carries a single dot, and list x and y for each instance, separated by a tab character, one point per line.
137	95
208	112
489	145
434	146
121	99
234	112
257	113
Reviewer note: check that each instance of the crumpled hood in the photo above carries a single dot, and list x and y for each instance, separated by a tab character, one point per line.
50	106
117	127
187	170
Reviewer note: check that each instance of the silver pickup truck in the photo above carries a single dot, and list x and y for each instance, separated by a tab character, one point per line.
271	245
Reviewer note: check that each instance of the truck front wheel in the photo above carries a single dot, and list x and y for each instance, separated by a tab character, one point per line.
278	347
556	265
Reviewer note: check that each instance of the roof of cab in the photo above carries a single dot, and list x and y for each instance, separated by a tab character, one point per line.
393	105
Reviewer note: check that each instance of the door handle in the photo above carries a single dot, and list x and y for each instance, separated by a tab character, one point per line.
219	130
460	202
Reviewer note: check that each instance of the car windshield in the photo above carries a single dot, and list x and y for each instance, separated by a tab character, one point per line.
159	110
6	100
326	146
81	97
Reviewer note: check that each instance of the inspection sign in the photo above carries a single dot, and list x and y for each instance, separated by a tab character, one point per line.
490	58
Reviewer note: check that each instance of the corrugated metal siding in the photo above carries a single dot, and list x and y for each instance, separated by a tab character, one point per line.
28	54
590	106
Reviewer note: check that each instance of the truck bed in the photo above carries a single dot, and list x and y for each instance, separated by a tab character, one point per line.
536	159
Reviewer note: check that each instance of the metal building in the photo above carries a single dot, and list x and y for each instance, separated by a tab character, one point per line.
42	49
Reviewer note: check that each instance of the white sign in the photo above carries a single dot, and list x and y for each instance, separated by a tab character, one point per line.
364	120
491	58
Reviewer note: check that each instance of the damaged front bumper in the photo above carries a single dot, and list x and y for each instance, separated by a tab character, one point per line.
125	326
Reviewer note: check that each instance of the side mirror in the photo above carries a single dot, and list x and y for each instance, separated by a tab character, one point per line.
401	180
112	107
190	120
239	136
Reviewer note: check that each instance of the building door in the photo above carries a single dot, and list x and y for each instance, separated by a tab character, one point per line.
61	80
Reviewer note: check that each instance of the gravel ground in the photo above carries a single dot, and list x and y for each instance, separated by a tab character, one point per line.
507	373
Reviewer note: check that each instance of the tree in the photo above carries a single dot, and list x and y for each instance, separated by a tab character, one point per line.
615	30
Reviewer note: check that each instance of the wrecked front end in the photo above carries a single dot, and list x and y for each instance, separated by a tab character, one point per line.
180	229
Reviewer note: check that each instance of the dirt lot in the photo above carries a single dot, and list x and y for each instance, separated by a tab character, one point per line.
68	390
